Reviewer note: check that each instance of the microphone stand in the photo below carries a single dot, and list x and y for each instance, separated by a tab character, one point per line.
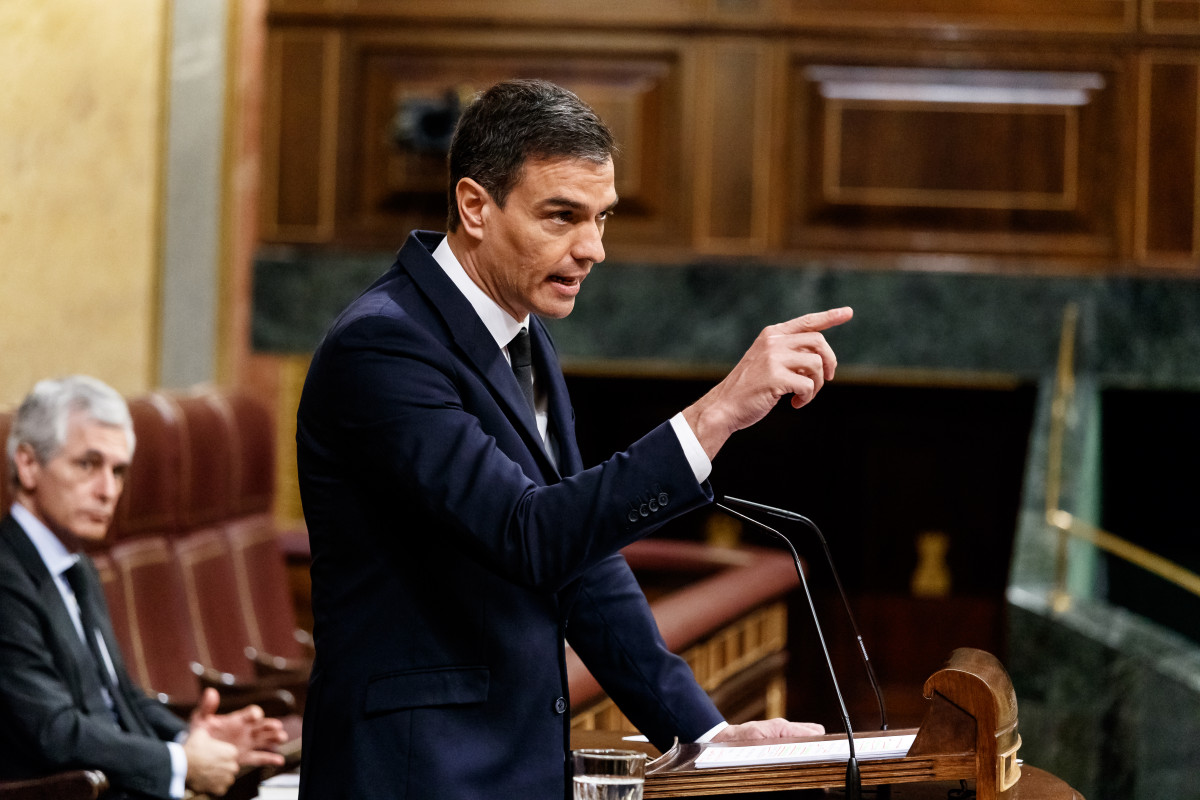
853	778
792	516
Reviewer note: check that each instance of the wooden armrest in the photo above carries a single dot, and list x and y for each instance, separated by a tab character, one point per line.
180	708
275	698
267	665
81	784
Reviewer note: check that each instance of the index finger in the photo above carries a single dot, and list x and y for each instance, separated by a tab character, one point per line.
260	758
818	321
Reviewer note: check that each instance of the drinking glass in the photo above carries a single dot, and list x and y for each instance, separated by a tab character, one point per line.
608	774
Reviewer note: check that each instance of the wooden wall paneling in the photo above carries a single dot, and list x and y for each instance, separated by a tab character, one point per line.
735	145
517	13
394	183
278	7
300	132
1168	192
1059	16
740	13
999	157
1171	16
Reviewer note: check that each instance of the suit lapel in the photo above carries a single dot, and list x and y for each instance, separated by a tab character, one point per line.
472	338
70	653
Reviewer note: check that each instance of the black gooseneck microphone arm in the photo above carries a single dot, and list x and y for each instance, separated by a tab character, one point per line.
792	516
853	778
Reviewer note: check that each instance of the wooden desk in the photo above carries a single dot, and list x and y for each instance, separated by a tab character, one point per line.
1035	784
969	737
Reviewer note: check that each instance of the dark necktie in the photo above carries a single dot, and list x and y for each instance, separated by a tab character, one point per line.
80	585
522	364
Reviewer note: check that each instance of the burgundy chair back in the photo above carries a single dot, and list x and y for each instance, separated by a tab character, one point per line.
150	504
6	493
208	461
254	439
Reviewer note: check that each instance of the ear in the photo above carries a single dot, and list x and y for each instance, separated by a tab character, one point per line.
473	204
28	467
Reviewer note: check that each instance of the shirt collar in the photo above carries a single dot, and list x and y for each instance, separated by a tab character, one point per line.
54	553
499	323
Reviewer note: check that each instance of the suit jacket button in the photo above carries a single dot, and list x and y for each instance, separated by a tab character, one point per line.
633	515
560	706
662	498
653	504
644	510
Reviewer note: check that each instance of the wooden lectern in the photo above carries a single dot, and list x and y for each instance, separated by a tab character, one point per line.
969	733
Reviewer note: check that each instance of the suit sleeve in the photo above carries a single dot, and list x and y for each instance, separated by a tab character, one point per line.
45	730
427	433
613	630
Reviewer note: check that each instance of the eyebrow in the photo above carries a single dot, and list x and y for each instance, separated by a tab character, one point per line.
574	205
93	454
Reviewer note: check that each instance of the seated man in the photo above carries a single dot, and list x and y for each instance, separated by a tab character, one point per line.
66	699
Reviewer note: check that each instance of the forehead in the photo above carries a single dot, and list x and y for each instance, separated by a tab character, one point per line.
575	179
84	434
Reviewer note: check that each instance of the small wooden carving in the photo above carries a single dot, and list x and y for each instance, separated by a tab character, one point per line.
973	705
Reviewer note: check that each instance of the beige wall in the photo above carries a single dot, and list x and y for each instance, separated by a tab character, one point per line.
81	126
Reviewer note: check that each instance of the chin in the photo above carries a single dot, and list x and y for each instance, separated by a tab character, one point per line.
555	310
91	534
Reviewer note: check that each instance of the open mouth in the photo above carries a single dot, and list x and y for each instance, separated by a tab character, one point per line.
563	280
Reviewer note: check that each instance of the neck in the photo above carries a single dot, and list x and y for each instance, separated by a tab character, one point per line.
467	254
29	503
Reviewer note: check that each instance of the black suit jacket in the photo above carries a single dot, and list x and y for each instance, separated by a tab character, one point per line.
451	558
52	715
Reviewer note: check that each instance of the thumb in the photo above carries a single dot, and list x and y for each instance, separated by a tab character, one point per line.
209	702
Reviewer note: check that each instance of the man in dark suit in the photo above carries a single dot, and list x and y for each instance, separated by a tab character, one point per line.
66	699
457	539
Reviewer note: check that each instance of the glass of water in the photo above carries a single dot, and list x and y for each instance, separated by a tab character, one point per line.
608	774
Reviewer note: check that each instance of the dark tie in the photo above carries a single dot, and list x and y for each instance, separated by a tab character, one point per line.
81	586
522	364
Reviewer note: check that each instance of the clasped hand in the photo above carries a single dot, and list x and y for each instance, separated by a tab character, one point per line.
218	745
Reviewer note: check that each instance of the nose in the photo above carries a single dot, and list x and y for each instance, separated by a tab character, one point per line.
589	245
108	485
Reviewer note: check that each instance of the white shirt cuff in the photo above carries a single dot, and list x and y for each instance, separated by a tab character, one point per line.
697	458
720	726
178	769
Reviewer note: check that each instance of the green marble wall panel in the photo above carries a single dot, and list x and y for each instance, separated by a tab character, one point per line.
1132	331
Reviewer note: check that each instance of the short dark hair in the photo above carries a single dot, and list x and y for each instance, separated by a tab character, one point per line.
515	121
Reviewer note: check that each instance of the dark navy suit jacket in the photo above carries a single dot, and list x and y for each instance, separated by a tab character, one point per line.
52	714
451	558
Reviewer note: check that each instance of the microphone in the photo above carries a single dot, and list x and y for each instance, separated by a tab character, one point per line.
862	648
853	778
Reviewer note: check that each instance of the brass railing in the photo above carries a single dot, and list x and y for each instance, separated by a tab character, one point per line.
1067	524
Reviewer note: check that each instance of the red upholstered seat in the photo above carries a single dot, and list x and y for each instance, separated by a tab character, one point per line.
220	583
264	593
210	590
162	649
